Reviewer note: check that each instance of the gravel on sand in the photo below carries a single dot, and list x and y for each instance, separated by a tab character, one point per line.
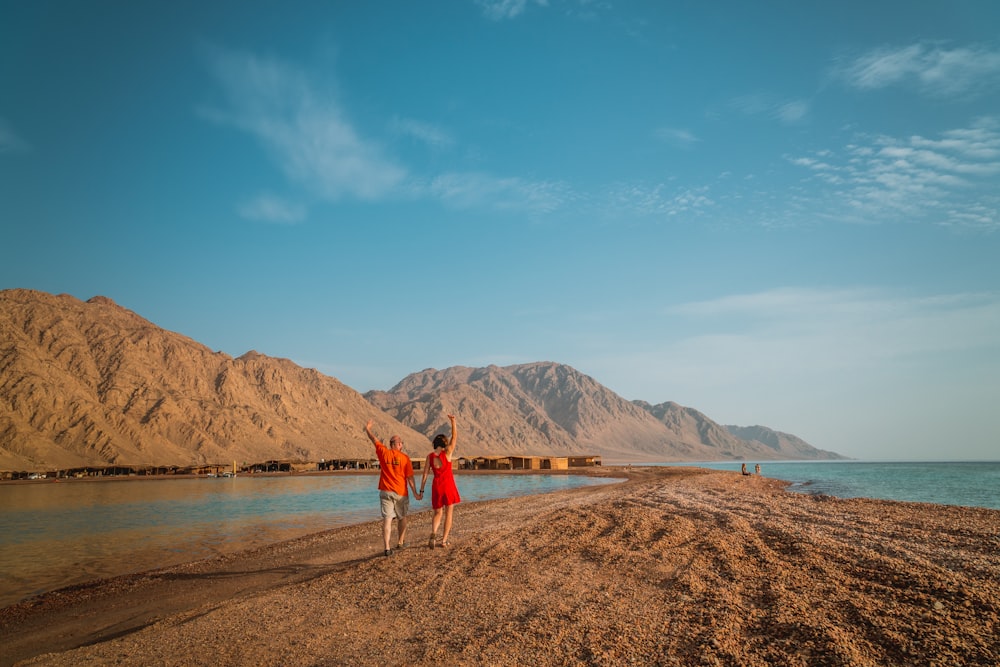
675	566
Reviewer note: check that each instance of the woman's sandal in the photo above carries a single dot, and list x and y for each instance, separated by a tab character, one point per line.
445	544
431	541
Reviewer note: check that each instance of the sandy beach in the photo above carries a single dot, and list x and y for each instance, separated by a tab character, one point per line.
675	566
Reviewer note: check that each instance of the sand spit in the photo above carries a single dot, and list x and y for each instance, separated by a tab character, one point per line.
677	566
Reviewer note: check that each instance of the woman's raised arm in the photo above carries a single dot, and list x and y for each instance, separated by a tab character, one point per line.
454	436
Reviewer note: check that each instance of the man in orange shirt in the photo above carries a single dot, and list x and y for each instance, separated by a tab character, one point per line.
396	475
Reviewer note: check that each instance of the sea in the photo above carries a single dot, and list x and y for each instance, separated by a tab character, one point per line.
966	483
60	533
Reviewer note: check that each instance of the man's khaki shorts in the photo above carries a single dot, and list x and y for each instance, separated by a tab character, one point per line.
394	506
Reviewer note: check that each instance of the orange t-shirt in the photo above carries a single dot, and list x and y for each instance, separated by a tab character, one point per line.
395	467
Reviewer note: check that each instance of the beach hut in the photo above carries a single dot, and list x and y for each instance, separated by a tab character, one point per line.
526	462
344	464
555	463
493	463
584	461
272	466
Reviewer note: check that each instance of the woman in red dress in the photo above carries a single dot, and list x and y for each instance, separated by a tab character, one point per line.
444	493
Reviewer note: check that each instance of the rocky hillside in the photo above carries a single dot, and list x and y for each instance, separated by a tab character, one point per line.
735	442
549	408
789	446
92	383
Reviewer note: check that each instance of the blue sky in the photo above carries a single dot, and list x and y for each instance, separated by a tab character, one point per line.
777	213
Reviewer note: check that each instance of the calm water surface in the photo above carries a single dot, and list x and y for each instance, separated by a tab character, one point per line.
970	484
54	534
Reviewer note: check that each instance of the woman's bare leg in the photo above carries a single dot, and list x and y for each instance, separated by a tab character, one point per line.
447	523
435	523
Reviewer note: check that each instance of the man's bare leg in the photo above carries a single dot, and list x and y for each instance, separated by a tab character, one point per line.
386	531
402	530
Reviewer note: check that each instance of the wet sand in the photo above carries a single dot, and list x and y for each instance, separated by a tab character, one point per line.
677	566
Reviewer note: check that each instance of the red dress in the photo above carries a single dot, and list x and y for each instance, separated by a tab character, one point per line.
443	489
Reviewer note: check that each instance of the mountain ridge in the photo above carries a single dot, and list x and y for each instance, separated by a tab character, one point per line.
93	383
562	411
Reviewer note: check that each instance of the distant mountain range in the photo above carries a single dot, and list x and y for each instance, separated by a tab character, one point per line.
92	383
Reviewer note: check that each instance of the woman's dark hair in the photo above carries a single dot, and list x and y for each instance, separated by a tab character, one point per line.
440	441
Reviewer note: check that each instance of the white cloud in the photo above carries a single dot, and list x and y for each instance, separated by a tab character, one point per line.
677	137
981	142
268	208
930	68
307	133
854	370
10	142
810	163
427	133
315	145
498	10
477	190
659	200
951	180
788	111
797	330
793	111
792	338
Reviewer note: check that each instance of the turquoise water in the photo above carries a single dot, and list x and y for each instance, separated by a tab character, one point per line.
54	534
970	484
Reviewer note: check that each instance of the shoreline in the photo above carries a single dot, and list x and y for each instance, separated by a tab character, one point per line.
150	525
298	473
677	565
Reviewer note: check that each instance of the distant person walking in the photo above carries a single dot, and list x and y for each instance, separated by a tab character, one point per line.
396	474
444	493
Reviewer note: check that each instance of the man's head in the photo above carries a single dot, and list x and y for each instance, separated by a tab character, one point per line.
396	442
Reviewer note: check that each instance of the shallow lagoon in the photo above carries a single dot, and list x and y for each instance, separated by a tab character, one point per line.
54	534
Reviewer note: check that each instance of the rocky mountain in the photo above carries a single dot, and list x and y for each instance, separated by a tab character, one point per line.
790	446
542	409
734	442
551	409
92	383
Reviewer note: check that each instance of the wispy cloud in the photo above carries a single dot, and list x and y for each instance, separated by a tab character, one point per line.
269	208
10	142
950	180
661	200
478	190
314	143
499	10
677	137
308	134
797	346
427	133
793	334
840	328
792	111
787	111
931	68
